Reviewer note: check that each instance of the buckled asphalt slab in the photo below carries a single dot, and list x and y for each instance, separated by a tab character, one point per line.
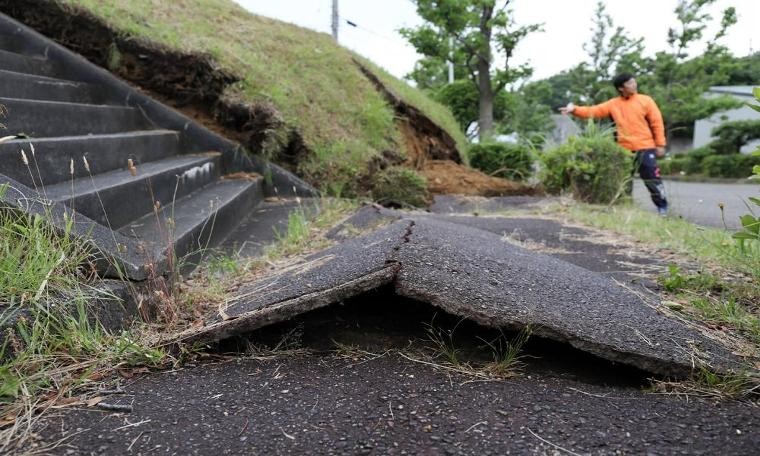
473	273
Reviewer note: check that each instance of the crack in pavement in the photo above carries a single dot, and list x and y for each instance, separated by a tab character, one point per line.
470	272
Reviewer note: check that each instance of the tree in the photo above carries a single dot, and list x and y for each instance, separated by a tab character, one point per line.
608	46
678	82
473	33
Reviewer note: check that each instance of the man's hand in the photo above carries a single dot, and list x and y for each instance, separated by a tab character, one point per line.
567	109
660	152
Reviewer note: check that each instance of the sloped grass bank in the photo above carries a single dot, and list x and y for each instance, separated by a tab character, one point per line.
283	91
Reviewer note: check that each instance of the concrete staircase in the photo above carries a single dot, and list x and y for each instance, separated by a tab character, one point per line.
100	148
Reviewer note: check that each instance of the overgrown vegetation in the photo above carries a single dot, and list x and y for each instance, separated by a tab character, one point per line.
400	187
305	232
750	232
709	246
708	298
510	161
591	166
52	348
35	259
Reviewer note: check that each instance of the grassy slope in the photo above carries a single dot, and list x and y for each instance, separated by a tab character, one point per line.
438	113
312	82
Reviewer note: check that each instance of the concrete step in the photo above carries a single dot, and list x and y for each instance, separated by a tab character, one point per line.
18	45
126	197
51	161
198	221
265	224
31	87
44	119
11	61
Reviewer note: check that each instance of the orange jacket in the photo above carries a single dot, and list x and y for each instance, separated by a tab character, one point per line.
637	118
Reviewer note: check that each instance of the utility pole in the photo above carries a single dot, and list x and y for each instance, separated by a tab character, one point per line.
451	60
335	19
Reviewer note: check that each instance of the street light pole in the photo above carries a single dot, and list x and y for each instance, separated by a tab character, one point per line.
335	19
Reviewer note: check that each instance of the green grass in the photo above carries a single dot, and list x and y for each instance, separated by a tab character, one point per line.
709	246
312	82
35	259
438	113
466	352
50	346
303	233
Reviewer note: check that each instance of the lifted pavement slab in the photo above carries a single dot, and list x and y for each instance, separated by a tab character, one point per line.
475	274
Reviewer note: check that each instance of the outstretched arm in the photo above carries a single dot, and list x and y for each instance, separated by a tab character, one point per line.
584	112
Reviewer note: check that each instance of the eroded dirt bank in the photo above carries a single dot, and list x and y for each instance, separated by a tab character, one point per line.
434	153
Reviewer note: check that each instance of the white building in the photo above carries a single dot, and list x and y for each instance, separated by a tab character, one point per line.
703	127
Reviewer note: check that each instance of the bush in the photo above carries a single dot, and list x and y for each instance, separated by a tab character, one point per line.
695	157
674	165
734	165
591	166
399	186
510	161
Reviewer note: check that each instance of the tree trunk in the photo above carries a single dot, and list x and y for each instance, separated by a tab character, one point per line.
485	90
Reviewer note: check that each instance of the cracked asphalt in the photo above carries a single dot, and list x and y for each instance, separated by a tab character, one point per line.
375	401
474	273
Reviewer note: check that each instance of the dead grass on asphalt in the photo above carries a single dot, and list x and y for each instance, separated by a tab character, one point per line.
216	284
709	283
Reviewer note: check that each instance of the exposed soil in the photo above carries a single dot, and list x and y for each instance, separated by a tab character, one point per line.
447	177
434	154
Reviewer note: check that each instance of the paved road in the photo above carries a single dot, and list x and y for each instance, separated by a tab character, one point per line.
698	202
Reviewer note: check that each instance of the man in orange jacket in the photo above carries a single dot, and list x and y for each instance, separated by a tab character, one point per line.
640	129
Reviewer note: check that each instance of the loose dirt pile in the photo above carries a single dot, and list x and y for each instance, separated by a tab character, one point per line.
447	177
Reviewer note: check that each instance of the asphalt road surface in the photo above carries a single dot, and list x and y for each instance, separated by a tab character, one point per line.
698	201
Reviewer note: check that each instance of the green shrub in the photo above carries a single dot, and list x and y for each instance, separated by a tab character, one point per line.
592	166
751	222
399	186
734	165
695	157
510	161
674	165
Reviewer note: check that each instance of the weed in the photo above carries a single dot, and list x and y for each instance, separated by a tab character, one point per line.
706	383
35	258
399	186
503	351
54	352
506	353
443	343
297	231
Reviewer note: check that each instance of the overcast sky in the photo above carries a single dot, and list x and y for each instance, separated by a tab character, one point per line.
567	26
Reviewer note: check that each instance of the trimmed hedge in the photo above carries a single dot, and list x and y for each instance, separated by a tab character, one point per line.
509	161
674	165
734	165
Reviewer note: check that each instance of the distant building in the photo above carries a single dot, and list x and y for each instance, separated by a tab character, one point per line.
564	127
703	127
